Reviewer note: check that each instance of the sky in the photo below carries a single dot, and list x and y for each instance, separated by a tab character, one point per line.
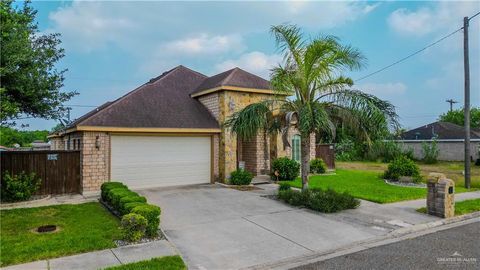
114	46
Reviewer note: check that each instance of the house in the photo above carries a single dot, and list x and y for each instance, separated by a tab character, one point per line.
169	132
450	140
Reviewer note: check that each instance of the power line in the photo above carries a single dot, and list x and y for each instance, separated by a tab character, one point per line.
410	55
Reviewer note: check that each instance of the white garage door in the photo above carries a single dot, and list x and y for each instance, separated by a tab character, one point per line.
157	161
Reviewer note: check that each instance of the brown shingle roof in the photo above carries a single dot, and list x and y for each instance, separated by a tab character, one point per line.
163	102
235	77
439	130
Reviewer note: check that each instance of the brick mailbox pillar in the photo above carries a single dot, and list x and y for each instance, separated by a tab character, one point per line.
440	197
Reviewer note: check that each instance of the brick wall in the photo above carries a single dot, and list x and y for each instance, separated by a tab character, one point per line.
211	102
215	141
95	162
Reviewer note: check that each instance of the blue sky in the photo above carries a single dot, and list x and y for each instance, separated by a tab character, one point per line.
112	47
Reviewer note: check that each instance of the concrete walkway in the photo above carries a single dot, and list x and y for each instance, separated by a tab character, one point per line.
103	258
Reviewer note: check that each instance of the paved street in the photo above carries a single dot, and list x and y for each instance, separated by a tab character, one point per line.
431	251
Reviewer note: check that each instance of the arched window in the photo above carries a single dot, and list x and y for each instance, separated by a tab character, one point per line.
296	148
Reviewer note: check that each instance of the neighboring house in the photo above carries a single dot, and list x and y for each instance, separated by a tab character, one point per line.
450	140
169	132
40	145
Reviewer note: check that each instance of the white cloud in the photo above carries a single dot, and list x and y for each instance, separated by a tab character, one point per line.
255	62
411	23
205	44
137	26
87	27
384	90
437	17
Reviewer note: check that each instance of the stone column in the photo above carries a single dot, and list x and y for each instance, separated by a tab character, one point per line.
440	197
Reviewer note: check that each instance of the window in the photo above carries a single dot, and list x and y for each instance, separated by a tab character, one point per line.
296	148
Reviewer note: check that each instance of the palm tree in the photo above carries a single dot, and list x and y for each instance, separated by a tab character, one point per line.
320	95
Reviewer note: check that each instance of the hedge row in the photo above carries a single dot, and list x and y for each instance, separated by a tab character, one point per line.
125	201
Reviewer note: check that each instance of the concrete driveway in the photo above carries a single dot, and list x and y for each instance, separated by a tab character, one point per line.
220	228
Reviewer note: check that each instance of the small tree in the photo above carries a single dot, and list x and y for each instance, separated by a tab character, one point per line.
30	83
311	73
430	152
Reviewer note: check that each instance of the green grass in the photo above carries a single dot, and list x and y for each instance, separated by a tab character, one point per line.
162	263
83	227
365	185
461	208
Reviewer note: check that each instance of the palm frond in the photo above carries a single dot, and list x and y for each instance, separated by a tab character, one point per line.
247	122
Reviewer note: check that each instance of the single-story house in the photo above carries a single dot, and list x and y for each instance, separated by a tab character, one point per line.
450	140
169	131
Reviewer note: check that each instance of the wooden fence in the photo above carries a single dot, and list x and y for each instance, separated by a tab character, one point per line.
58	170
327	153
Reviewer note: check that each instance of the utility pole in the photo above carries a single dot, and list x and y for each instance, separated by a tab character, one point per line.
451	101
466	66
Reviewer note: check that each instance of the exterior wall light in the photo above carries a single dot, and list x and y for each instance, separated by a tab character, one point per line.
97	142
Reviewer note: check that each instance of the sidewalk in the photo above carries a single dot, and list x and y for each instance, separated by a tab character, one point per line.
103	258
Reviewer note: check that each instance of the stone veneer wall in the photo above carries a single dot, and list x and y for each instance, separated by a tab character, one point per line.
95	162
229	103
448	151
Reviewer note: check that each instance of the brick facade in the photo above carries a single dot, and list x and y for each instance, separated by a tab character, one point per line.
95	159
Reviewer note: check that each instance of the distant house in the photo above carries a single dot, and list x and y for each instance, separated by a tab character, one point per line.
450	140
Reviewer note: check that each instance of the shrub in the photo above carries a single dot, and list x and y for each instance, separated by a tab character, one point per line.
128	207
129	199
117	194
402	166
317	165
19	187
284	186
133	227
430	152
287	169
295	198
240	177
328	201
109	193
107	186
152	214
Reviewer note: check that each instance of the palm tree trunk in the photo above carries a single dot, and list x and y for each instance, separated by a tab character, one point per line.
305	159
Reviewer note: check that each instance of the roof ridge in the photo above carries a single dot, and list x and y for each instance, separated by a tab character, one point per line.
232	71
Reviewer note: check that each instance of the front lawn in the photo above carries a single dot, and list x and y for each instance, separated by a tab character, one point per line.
365	185
452	169
162	263
83	227
461	208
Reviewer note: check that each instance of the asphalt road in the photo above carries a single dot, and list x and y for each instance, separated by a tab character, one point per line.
432	251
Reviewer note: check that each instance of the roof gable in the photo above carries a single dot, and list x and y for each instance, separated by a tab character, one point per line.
235	77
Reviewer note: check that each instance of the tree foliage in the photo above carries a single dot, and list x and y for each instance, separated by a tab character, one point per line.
457	117
30	82
311	73
9	136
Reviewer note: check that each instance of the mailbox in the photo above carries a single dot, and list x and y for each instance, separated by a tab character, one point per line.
440	197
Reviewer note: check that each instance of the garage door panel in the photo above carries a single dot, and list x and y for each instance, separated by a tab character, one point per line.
151	161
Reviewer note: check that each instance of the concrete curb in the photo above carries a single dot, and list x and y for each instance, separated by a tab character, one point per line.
393	237
6	206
